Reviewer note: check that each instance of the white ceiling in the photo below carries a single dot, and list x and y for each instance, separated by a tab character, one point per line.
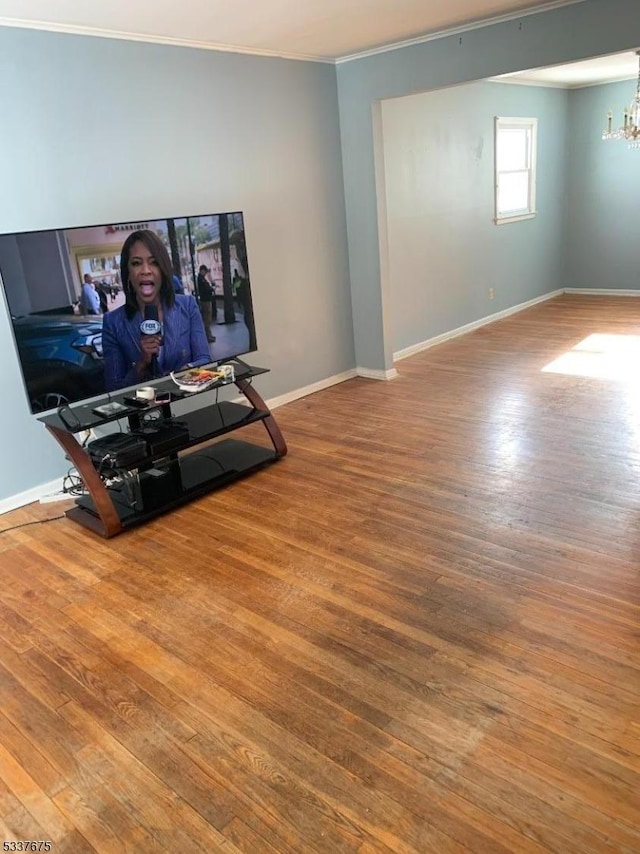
303	29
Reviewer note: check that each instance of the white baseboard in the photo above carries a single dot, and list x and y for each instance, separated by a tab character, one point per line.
469	327
603	292
371	374
30	495
290	396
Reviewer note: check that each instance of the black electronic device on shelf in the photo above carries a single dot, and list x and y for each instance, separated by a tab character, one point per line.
117	450
166	457
163	436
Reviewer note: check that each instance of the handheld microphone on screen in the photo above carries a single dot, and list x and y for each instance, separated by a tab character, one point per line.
151	326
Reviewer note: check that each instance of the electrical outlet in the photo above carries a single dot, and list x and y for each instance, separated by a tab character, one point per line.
492	293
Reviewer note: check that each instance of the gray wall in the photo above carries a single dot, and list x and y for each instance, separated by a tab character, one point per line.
603	194
98	130
568	33
445	250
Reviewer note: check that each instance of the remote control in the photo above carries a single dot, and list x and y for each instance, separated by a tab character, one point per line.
139	402
111	408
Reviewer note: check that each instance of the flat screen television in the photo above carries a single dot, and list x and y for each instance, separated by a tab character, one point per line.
58	332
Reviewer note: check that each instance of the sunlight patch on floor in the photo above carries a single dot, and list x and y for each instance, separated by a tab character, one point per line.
601	356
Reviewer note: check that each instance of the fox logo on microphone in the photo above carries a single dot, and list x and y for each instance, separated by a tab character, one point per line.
151	324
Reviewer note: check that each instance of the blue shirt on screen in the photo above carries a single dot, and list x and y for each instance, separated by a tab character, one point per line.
184	342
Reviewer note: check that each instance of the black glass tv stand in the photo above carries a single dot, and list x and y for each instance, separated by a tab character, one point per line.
183	456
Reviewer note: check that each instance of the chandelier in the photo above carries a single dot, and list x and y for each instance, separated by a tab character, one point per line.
630	130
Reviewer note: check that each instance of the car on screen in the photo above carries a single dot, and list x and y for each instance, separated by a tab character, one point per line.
61	357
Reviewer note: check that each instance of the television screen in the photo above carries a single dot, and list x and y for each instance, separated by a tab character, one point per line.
79	319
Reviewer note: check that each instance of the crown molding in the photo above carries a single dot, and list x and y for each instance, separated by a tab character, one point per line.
550	84
460	30
95	32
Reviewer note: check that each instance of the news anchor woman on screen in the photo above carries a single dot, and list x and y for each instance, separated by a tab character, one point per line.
156	331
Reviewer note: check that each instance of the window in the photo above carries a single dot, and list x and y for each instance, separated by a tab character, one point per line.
515	169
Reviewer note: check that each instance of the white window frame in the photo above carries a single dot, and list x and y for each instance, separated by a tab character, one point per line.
511	123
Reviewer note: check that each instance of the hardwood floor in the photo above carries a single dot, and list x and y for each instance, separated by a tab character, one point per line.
418	632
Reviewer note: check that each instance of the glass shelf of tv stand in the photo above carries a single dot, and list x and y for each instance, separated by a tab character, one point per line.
165	477
80	417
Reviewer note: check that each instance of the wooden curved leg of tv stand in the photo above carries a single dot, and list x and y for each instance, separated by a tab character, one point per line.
109	523
269	422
